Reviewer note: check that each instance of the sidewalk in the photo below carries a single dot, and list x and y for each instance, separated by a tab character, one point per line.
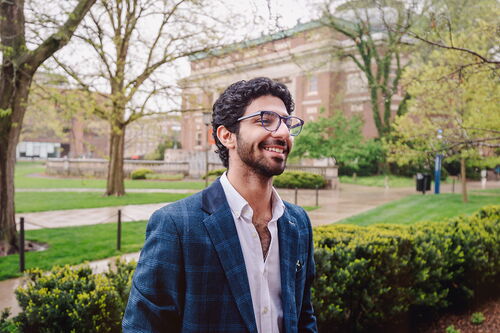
335	205
87	216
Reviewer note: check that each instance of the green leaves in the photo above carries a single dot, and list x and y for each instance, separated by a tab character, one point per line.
73	299
299	179
338	137
368	276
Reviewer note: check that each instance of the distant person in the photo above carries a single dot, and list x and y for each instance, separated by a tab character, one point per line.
234	257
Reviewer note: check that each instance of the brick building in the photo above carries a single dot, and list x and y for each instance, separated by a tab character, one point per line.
302	58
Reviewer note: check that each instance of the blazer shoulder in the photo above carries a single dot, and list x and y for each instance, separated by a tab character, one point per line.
294	210
178	213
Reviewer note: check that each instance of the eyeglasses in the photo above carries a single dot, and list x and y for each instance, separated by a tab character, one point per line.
271	121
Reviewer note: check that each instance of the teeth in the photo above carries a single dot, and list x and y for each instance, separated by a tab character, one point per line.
276	150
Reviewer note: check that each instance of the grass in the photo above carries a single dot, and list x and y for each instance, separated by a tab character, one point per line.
24	179
75	245
45	201
415	208
491	191
379	181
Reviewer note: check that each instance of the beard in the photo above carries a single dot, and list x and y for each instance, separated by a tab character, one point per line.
259	163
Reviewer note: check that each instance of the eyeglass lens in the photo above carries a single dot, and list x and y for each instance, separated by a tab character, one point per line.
271	122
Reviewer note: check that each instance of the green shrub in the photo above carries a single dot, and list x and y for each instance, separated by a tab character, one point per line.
368	276
452	329
214	173
73	299
160	176
7	325
299	179
477	318
140	173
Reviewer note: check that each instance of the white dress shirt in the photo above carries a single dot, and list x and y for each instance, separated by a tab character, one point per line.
264	276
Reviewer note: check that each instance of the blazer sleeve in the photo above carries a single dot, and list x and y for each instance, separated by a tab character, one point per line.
307	319
155	303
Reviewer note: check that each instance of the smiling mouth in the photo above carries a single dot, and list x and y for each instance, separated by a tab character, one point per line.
275	149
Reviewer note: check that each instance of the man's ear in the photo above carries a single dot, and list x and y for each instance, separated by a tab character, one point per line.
227	138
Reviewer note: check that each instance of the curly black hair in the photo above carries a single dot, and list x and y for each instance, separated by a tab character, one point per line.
233	102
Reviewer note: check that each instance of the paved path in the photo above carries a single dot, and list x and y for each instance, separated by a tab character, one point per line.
335	205
129	190
88	216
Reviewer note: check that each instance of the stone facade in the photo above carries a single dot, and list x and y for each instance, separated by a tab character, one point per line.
143	135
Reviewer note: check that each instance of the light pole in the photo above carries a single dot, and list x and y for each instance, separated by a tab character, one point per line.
207	120
437	164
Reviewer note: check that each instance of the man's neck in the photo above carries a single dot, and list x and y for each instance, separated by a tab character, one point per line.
254	188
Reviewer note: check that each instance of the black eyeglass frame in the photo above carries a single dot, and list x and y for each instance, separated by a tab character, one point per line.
280	117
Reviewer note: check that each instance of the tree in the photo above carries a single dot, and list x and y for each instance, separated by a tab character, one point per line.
340	138
454	110
445	18
134	46
377	32
19	64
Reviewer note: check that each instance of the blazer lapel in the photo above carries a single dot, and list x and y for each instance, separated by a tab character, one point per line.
223	234
288	239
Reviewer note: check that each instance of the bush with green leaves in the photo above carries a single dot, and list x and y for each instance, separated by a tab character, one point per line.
452	329
7	325
369	276
214	173
477	318
140	173
74	299
299	179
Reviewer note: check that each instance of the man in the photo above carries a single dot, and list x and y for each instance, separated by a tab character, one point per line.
234	257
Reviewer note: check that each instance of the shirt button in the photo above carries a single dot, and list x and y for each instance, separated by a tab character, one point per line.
265	310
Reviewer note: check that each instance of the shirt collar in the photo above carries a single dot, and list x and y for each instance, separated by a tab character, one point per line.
239	206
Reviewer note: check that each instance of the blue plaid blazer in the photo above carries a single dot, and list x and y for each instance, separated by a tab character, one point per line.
191	274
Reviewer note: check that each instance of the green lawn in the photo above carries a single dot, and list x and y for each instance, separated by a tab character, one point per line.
75	245
379	181
44	201
25	177
417	207
491	191
310	208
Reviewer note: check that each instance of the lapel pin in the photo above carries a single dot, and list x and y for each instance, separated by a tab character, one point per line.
291	222
298	266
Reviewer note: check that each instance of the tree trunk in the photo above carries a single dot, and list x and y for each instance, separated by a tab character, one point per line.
13	96
115	184
463	177
8	239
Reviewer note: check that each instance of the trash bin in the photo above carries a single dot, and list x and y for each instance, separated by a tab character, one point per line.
423	182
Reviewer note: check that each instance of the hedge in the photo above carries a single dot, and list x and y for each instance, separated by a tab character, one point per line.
214	173
73	300
140	173
299	179
370	276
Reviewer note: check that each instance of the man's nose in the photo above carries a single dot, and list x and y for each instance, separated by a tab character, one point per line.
282	131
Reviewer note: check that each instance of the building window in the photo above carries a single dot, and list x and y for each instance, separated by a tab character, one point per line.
311	110
199	135
312	85
356	83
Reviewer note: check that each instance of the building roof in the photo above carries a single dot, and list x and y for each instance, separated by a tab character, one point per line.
301	27
257	41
